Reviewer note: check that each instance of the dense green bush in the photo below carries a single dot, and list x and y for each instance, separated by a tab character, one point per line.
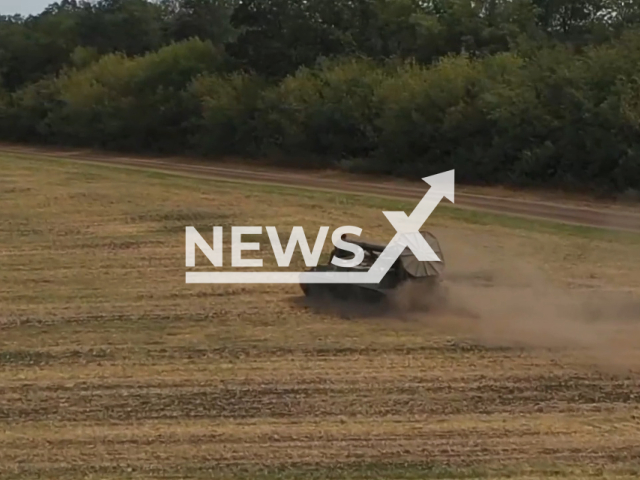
227	117
561	119
427	115
329	111
550	116
28	109
129	103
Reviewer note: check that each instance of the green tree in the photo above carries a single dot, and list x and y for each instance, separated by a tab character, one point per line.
132	27
204	19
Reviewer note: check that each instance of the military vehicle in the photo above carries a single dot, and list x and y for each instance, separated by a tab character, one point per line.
424	278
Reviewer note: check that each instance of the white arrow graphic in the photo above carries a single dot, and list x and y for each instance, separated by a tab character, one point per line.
442	185
407	236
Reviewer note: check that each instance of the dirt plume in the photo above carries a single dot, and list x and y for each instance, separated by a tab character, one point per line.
520	306
495	293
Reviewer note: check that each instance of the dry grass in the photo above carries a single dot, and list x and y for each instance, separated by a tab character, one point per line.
112	367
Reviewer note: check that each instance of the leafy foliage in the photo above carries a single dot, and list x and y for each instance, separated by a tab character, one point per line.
525	92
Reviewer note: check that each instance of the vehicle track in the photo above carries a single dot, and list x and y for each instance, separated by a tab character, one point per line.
612	219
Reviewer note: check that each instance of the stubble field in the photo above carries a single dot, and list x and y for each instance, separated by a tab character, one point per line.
112	367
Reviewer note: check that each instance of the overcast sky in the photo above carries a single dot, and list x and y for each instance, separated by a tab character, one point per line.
25	7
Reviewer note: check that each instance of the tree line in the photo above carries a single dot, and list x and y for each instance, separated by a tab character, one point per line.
518	92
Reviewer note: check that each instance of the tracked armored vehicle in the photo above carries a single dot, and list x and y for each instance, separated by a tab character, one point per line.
424	278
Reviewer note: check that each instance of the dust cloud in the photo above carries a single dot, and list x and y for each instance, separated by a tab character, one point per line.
513	303
492	298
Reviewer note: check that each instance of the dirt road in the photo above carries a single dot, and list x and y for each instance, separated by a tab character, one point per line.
624	219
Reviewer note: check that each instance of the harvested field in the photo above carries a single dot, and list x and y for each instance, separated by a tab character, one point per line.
112	367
